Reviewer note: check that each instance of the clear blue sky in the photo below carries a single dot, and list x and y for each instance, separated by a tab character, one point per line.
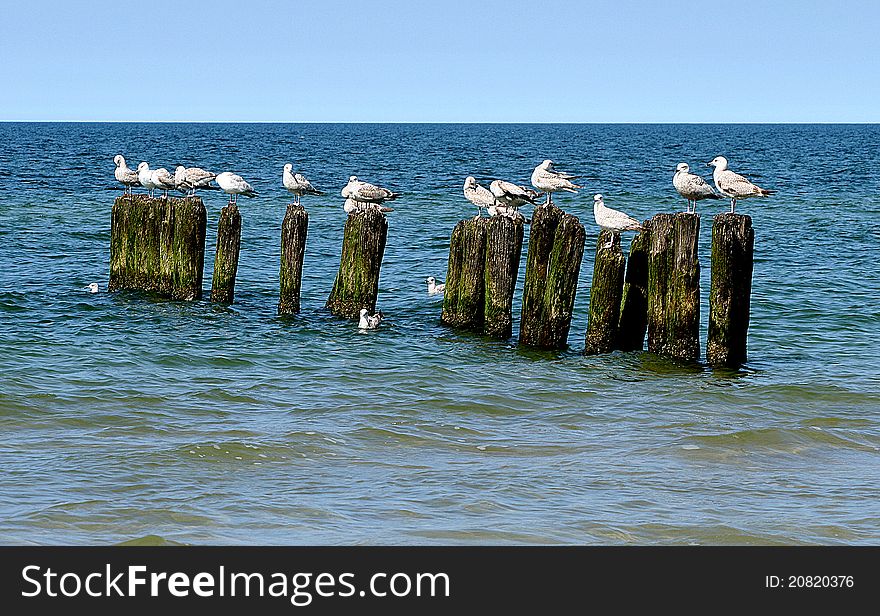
414	61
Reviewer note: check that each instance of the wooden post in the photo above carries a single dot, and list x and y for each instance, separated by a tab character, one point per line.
464	298
293	248
733	243
226	258
674	286
553	263
357	282
606	294
504	239
158	245
634	308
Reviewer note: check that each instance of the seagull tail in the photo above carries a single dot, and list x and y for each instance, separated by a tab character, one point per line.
572	190
765	193
250	193
385	209
315	191
715	196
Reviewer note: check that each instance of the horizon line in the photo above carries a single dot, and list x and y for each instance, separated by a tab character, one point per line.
793	123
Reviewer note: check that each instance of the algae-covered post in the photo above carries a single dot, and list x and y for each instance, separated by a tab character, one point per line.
363	246
733	243
293	247
553	263
606	294
674	286
226	258
634	307
504	239
158	245
464	298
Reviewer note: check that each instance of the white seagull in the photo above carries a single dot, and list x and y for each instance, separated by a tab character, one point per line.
547	179
350	206
692	187
476	194
93	287
188	179
612	220
433	287
127	177
297	184
364	192
162	179
369	322
511	195
734	185
145	177
234	185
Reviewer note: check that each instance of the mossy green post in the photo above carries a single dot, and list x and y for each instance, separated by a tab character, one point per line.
464	298
504	240
606	294
674	286
226	258
293	248
158	245
733	244
553	264
357	282
634	308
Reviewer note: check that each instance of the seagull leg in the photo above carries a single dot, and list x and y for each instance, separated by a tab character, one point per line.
733	205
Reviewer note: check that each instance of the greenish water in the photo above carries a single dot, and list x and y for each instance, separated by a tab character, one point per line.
124	418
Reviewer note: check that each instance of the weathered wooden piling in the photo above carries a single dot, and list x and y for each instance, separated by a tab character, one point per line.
158	245
293	248
606	294
553	263
363	246
674	286
504	240
226	257
464	297
733	243
634	307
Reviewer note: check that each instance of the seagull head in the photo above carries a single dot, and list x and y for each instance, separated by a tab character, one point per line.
430	280
470	182
363	312
719	162
93	287
143	166
546	164
682	167
179	169
352	179
597	198
288	167
118	160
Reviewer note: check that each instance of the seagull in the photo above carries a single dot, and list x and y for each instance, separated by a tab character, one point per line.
162	179
234	185
512	196
692	187
297	184
145	177
479	196
612	220
93	287
188	179
369	322
734	185
127	177
369	194
547	179
433	287
350	206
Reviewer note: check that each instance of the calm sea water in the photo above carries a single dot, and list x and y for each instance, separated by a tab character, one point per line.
128	419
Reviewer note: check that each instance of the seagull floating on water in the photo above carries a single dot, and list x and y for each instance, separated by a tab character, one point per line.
369	322
433	287
145	177
188	179
93	287
297	184
479	196
547	179
612	220
127	177
234	185
692	187
734	185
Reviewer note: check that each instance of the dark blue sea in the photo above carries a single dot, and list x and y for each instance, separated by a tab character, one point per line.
125	418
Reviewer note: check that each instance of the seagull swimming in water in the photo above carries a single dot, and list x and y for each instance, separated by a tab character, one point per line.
549	180
93	287
297	184
188	179
479	196
612	220
433	287
369	322
692	187
234	185
127	177
368	194
734	185
145	177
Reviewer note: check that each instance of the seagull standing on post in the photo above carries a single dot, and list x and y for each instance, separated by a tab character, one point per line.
547	179
612	220
366	194
734	185
479	196
234	185
188	179
145	176
127	177
692	187
510	197
297	184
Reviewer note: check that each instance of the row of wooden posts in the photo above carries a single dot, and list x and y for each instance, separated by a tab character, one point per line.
158	245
